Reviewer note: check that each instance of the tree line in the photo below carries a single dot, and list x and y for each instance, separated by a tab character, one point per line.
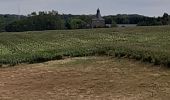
139	19
7	19
49	21
52	20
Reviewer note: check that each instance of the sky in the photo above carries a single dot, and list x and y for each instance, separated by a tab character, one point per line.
107	7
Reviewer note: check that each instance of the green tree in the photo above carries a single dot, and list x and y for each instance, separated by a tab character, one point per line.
39	22
165	19
77	24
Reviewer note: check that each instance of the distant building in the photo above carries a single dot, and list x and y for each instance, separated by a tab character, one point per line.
98	22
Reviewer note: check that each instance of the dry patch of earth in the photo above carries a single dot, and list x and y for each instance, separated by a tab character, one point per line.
91	78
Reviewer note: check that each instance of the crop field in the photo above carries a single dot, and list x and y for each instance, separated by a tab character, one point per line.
148	44
85	64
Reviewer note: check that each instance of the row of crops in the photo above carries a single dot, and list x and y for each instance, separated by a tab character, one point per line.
149	44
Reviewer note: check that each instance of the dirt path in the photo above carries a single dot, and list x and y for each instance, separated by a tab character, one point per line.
92	78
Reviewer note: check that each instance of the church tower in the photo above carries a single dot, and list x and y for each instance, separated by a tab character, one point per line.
98	21
98	15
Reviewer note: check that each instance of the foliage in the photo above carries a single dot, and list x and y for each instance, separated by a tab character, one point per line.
43	21
125	19
77	21
7	19
76	24
164	20
138	19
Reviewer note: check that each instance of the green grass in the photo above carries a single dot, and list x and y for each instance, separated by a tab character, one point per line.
149	44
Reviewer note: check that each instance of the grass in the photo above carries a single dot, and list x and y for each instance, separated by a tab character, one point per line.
149	44
85	78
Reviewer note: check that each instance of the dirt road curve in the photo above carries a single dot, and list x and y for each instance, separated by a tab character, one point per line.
92	78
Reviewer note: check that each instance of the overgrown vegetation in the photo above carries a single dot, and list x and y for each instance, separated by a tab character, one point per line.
149	44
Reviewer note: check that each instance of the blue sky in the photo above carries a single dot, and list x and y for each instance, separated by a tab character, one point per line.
108	7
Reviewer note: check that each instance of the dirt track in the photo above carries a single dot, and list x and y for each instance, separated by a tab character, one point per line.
92	78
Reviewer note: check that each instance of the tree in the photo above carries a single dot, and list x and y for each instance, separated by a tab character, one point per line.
33	14
165	19
44	21
77	24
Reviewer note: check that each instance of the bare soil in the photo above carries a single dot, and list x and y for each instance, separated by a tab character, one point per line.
91	78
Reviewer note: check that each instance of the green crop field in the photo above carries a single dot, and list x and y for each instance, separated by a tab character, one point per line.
148	44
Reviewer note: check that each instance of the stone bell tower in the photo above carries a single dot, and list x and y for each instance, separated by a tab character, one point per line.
98	21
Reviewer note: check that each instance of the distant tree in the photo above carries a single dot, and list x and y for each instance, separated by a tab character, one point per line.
77	24
108	20
68	23
7	19
44	21
33	14
41	13
165	19
53	12
165	15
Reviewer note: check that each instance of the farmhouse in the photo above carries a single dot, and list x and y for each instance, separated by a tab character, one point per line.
98	21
